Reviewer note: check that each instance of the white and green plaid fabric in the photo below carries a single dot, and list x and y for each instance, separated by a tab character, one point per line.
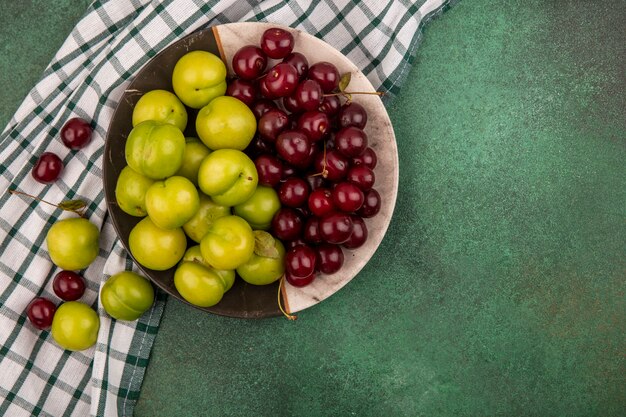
112	41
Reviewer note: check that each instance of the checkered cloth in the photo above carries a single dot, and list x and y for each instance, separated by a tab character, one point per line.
86	78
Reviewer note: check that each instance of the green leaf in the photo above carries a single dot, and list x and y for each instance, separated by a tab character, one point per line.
344	81
72	205
265	245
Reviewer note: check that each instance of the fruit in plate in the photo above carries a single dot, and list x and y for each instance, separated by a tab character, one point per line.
126	295
130	192
172	202
73	243
75	326
194	254
162	106
199	77
199	285
267	263
226	122
207	212
260	208
156	248
228	243
155	149
195	152
228	176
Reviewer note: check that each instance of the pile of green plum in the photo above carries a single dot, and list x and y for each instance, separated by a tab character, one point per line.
200	189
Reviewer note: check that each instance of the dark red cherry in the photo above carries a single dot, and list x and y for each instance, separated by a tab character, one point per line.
277	43
40	312
47	168
76	133
249	62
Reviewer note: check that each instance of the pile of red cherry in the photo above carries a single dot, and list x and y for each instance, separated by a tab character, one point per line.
312	149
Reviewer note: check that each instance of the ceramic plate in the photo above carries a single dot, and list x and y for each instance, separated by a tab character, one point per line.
245	300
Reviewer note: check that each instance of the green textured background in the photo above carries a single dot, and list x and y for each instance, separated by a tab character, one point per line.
500	286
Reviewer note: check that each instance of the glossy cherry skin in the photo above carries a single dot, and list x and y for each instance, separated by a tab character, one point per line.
336	165
262	106
362	176
351	141
368	158
294	192
76	133
249	62
314	124
347	197
299	281
47	168
272	123
311	233
287	224
330	105
309	95
321	202
359	233
40	312
326	74
277	43
270	169
243	90
329	258
371	204
281	80
68	285
300	63
300	261
294	147
336	227
352	114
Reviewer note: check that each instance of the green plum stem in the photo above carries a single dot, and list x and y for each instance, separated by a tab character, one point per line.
79	211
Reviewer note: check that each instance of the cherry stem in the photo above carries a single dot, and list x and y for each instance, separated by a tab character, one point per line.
324	172
280	304
80	212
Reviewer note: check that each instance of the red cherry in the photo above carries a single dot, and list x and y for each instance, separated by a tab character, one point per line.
47	168
76	133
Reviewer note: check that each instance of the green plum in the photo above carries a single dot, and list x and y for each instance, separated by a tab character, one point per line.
228	176
193	254
199	285
228	243
75	326
260	208
172	202
156	248
127	295
155	149
199	77
226	123
265	266
162	106
73	243
130	192
195	152
208	211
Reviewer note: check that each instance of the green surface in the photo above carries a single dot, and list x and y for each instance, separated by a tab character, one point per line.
506	294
